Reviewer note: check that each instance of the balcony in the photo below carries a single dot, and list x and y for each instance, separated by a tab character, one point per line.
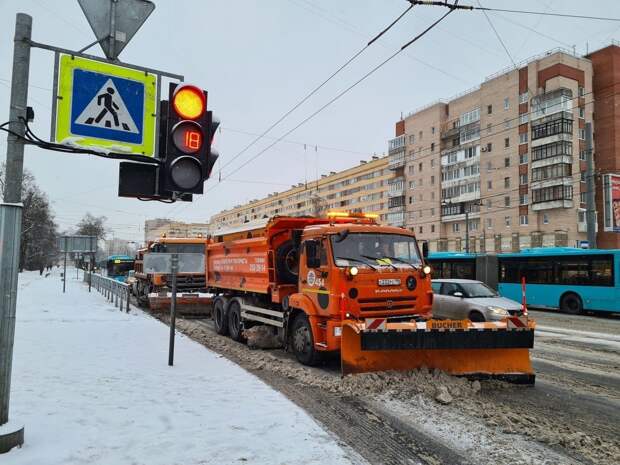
397	159
396	189
396	203
396	144
551	204
396	218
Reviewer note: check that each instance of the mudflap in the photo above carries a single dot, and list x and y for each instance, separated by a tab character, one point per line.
480	353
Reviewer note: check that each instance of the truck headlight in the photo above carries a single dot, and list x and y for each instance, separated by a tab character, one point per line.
353	271
498	310
426	269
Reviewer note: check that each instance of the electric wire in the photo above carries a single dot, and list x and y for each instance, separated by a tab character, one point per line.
316	89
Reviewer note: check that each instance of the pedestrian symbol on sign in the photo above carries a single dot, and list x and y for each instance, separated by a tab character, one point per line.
107	110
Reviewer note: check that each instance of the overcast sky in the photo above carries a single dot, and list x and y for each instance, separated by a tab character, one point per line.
258	58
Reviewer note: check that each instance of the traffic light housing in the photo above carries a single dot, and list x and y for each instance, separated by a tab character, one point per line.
186	136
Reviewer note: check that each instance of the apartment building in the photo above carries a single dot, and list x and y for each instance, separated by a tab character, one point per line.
361	188
154	229
500	167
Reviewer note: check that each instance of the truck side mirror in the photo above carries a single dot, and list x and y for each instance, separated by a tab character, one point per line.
425	249
312	254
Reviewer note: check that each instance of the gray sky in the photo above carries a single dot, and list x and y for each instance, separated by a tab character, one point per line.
258	58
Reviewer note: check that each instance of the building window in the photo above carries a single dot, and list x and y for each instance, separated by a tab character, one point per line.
582	176
421	182
421	229
489	185
582	112
432	179
545	218
411	169
432	146
455	227
489	109
507	201
507	221
506	103
558	170
582	134
581	91
411	184
420	167
506	162
507	142
489	146
433	130
432	195
523	98
506	183
489	223
523	159
560	125
523	179
432	228
410	199
421	134
523	118
523	198
489	204
523	138
551	150
523	220
582	197
552	193
432	212
507	123
412	139
583	155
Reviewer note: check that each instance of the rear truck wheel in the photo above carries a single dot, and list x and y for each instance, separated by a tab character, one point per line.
287	263
476	317
220	320
234	321
303	342
571	303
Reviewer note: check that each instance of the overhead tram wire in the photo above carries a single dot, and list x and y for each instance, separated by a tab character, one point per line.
317	88
504	10
339	95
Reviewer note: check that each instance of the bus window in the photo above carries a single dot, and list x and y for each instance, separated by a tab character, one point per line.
573	270
602	271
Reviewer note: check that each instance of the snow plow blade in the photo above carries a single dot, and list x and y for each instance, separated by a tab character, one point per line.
187	303
474	350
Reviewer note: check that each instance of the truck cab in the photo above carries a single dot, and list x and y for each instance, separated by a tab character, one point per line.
355	270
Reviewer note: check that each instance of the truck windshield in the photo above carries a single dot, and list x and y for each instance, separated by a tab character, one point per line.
178	248
396	250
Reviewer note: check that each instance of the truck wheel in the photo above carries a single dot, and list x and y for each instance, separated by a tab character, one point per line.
219	317
234	321
287	263
571	303
303	342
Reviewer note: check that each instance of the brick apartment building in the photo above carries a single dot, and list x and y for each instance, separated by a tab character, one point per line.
510	156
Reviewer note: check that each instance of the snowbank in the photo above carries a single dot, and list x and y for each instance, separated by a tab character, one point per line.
92	386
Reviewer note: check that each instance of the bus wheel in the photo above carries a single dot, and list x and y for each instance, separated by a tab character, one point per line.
476	317
219	317
303	342
571	303
234	321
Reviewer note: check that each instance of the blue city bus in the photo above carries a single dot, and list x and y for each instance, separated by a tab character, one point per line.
118	266
569	279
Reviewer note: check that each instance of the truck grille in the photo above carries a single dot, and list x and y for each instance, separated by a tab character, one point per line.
382	304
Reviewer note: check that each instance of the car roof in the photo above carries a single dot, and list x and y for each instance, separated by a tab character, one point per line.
458	281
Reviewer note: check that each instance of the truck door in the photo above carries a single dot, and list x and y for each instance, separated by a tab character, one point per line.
314	273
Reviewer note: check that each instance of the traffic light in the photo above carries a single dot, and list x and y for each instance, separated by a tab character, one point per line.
186	137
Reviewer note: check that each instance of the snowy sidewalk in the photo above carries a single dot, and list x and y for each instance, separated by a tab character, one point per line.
92	386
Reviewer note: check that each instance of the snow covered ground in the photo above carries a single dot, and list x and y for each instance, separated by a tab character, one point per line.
92	386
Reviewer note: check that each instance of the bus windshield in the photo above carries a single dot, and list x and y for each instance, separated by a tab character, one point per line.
119	269
355	249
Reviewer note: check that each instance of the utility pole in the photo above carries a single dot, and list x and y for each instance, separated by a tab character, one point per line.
590	186
174	267
466	229
12	435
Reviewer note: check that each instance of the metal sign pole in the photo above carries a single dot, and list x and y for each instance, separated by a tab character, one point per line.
173	306
10	223
64	273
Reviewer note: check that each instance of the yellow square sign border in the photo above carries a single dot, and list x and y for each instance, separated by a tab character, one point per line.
62	131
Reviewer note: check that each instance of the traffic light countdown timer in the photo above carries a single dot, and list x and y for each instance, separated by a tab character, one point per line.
187	130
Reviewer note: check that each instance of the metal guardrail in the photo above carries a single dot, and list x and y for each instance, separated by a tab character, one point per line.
114	291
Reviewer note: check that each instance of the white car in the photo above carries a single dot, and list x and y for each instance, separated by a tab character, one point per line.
460	299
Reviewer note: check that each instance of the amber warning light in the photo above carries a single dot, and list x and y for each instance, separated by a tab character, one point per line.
189	102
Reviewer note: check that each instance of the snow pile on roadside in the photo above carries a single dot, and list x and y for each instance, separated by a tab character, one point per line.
92	385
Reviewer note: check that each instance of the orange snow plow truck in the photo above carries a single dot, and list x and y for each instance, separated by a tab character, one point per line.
345	284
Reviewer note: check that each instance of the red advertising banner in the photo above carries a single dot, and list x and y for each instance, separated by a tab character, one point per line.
614	182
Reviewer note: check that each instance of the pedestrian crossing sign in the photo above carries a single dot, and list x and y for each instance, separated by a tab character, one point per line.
104	107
